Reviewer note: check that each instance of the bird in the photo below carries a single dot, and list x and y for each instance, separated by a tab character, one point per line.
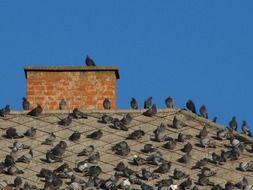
170	144
5	111
134	104
191	106
94	171
203	132
121	148
106	119
18	182
93	157
30	132
147	175
137	134
169	102
107	104
137	160
186	184
12	133
95	135
183	137
185	159
223	134
37	111
27	158
126	120
50	139
148	148
52	158
89	62
187	148
204	181
59	149
207	172
87	151
75	136
145	186
151	111
203	112
77	114
246	129
62	104
117	124
8	161
13	170
207	143
229	186
242	184
164	167
201	163
176	123
65	121
233	123
25	104
148	103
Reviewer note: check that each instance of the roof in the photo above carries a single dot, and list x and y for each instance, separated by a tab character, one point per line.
47	123
64	68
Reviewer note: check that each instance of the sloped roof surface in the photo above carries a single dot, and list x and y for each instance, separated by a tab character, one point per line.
47	123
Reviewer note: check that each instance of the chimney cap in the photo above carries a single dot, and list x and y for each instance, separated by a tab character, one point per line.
71	68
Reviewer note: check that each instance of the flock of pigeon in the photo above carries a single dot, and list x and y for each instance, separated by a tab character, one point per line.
124	177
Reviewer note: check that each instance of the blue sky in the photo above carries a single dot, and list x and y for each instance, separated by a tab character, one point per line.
200	50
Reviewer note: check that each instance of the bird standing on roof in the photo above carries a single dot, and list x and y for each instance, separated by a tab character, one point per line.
89	62
62	104
151	111
134	104
25	104
107	104
95	135
148	103
30	132
5	111
191	106
203	111
233	123
245	129
169	102
36	111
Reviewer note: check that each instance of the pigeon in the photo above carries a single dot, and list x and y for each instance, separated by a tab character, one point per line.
134	179
87	151
217	187
148	148
163	168
89	62
17	182
229	186
27	186
134	104
2	167
191	106
13	170
186	184
125	184
52	158
73	186
203	112
120	166
117	124
62	104
242	184
95	135
207	143
233	123
148	103
37	111
217	159
170	144
83	166
164	184
60	148
155	159
30	132
176	124
207	172
204	181
201	163
215	119
107	104
94	171
151	111
9	161
203	132
160	129
147	175
19	146
137	160
106	119
75	136
65	121
187	148
12	133
93	157
137	134
169	102
77	114
183	137
5	111
145	186
245	129
50	139
195	187
222	134
177	174
121	148
77	179
126	120
185	159
25	104
3	184
246	166
27	158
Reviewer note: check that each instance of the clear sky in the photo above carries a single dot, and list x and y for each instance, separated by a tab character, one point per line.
199	50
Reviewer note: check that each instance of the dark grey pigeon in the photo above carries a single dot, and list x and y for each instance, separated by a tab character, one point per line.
87	151
77	114
147	175
93	157
89	62
65	121
242	184
187	148
183	137
204	181
137	134
106	119
126	120
60	148
148	148
121	148
134	104
30	132
217	159
169	102
5	111
52	158
186	184
171	144
95	135
17	182
164	184
203	132
50	139
229	186
233	123
203	111
217	187
137	160
12	133
107	104
62	104
117	124
75	136
148	103
177	174
176	123
245	129
120	166
191	106
13	170
9	161
27	186
207	172
27	158
151	111
201	163
215	119
164	167
26	104
185	159
37	111
94	171
145	186
155	159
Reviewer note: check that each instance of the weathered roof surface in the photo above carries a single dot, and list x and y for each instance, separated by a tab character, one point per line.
47	123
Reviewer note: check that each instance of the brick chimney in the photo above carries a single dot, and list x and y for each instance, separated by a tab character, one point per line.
81	87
